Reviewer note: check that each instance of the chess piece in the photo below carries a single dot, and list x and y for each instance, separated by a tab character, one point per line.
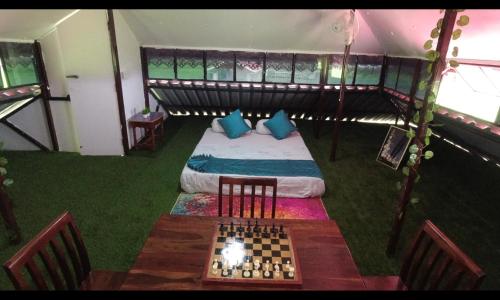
221	228
265	229
281	229
276	270
287	264
266	266
231	228
291	271
224	271
266	273
246	273
215	264
256	264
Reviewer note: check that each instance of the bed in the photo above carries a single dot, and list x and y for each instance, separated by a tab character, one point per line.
252	146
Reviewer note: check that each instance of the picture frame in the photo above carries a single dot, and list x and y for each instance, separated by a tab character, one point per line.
394	147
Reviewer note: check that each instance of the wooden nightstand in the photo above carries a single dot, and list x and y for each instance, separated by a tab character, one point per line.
150	123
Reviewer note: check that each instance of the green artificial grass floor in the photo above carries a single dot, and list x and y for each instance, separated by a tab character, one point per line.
116	200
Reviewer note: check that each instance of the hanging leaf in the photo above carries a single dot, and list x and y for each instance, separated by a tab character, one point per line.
413	149
429	116
463	20
428	132
428	154
454	63
411	162
3	161
435	107
432	55
398	185
414	201
417	179
410	134
8	182
3	171
422	85
439	23
456	33
427	141
432	97
428	45
429	68
418	104
435	33
406	171
416	117
455	51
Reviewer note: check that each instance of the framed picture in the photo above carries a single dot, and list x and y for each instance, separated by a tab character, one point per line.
394	147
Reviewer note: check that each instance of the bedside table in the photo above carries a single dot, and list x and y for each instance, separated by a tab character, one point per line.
149	124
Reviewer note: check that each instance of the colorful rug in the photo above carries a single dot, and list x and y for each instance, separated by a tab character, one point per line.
286	208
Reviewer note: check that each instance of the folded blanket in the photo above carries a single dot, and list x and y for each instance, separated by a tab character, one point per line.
254	167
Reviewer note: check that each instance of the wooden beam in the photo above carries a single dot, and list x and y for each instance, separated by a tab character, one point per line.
340	106
45	93
323	80
144	69
413	92
383	72
118	80
404	197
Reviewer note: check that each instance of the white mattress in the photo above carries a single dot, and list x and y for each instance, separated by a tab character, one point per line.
252	146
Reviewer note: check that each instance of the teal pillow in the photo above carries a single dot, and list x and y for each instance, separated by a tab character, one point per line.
279	125
234	125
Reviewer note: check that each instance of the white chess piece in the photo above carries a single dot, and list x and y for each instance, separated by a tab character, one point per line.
291	271
266	273
246	273
287	265
276	269
225	272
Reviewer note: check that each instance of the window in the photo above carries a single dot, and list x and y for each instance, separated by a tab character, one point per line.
220	65
18	63
249	66
335	69
307	68
473	90
189	64
369	68
391	74
160	63
279	67
405	78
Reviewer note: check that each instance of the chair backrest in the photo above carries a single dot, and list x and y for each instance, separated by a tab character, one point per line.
242	183
434	262
46	247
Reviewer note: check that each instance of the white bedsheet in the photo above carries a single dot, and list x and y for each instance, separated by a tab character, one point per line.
252	146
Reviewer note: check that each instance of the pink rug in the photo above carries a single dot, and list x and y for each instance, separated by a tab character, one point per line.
286	208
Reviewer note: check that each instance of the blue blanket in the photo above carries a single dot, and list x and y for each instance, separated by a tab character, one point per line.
255	167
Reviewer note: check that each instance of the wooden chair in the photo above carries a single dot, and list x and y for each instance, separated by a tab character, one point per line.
75	275
434	262
243	182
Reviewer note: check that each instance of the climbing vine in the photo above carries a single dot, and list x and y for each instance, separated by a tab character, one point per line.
3	171
416	150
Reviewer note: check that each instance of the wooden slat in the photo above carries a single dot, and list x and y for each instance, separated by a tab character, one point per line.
263	202
405	268
230	199
73	255
455	278
242	199
52	269
220	196
440	274
59	254
252	207
274	202
429	267
36	275
417	262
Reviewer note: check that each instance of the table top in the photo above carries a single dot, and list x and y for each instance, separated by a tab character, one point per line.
153	117
174	255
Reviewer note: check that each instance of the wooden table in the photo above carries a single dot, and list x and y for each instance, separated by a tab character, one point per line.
174	255
150	123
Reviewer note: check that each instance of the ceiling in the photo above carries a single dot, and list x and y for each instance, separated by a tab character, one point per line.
29	24
381	31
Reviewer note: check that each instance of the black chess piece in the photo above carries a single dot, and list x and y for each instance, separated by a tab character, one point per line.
281	229
231	228
249	228
265	229
221	228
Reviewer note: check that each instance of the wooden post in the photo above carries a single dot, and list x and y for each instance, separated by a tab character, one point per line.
118	80
385	64
413	91
45	93
8	216
404	197
144	69
340	106
323	80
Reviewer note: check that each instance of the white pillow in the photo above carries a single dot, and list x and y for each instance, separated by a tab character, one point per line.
216	127
262	129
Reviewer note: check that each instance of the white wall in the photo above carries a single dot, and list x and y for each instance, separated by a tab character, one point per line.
131	72
86	52
62	113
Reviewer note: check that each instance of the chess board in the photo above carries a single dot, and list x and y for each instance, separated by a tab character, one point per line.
251	248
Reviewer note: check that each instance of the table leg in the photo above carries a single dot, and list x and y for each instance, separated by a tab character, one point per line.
135	138
153	137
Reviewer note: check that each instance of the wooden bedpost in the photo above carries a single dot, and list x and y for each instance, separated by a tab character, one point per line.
437	68
340	106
